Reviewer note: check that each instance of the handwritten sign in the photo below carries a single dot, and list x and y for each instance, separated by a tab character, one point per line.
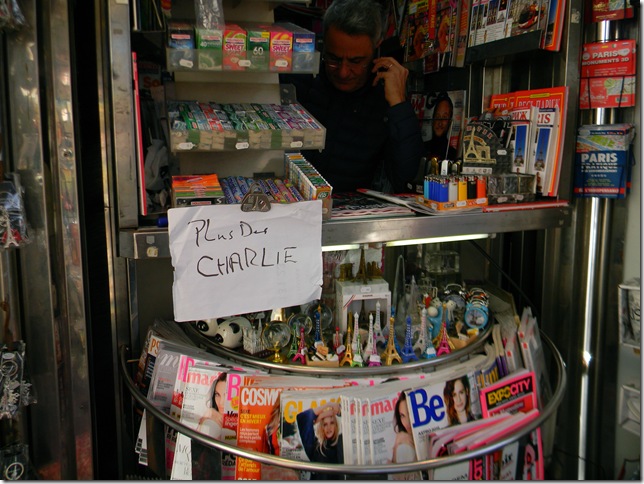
230	262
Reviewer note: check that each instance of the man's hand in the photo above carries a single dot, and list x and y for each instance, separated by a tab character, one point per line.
394	76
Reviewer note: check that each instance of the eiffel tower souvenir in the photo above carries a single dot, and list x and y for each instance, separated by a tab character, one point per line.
301	351
356	333
379	337
357	355
444	345
337	339
372	348
424	341
294	349
407	353
390	355
347	358
361	275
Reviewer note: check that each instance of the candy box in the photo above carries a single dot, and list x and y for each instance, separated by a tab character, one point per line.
234	47
209	48
303	47
181	41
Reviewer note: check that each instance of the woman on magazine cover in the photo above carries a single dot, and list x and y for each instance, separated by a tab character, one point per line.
321	437
404	448
212	421
457	398
206	461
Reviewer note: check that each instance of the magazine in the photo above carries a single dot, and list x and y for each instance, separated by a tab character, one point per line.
160	394
449	398
514	393
357	205
378	429
201	410
259	422
533	355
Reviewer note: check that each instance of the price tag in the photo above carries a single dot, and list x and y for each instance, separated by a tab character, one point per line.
186	146
242	145
296	144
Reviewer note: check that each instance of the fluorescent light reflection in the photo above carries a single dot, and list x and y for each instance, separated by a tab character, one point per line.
329	248
433	240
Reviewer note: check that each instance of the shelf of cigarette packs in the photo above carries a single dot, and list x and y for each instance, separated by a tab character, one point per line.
211	126
547	411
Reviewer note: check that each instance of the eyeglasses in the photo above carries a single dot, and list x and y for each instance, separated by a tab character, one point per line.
353	64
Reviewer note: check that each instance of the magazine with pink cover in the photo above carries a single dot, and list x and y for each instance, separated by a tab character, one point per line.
533	355
201	410
514	393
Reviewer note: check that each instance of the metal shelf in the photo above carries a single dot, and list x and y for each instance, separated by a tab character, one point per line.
548	410
422	365
153	243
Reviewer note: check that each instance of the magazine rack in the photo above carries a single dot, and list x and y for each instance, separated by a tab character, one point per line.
549	409
422	364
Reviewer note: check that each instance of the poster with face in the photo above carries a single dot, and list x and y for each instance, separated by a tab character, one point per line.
442	123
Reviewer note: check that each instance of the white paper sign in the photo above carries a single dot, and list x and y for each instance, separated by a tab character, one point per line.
230	262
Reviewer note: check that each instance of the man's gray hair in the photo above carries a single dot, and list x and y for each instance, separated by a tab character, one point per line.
356	17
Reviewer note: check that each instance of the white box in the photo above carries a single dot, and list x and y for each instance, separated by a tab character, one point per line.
349	296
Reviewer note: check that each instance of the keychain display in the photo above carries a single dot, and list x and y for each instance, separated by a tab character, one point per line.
13	222
14	390
11	17
14	460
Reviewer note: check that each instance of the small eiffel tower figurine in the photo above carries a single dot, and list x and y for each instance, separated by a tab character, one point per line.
377	329
374	357
357	354
361	275
347	359
407	352
337	339
444	345
424	342
356	332
371	350
368	349
294	349
390	354
301	351
318	324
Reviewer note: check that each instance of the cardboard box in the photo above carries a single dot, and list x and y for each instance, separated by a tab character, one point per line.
349	296
608	59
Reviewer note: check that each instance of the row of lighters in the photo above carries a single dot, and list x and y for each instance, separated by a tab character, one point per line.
453	188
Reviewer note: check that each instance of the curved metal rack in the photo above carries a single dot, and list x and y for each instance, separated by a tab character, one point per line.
430	365
262	458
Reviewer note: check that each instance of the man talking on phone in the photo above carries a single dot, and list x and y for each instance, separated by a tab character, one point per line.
373	137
